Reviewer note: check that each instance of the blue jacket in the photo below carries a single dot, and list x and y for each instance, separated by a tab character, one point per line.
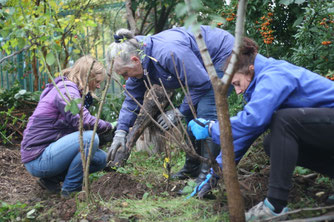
276	84
182	45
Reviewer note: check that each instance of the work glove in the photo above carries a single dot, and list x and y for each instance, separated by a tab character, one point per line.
200	128
205	187
171	117
118	153
108	135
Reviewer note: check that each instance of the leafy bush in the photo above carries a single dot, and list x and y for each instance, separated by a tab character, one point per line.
314	39
110	109
18	98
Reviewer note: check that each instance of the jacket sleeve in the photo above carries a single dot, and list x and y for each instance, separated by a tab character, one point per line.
130	109
74	120
270	92
191	72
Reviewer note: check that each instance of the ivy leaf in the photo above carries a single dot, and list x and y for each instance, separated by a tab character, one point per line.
50	59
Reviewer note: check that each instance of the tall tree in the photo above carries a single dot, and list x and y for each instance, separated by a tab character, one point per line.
221	86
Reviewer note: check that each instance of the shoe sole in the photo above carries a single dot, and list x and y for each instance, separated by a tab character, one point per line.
47	189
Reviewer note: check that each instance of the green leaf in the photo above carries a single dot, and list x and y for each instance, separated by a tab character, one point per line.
196	4
74	107
67	107
30	214
21	42
299	1
76	51
286	2
145	196
216	19
190	20
298	21
91	23
180	9
50	59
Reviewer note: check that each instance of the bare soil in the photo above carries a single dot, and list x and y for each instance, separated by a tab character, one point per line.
17	185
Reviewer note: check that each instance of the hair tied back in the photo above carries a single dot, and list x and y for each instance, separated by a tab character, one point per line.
118	38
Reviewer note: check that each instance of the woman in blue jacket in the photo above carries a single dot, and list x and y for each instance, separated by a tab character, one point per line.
296	105
161	57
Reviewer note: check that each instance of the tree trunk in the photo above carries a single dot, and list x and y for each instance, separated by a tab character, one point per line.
129	15
151	108
151	141
35	70
234	197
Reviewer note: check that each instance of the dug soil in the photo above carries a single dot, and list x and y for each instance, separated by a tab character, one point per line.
17	185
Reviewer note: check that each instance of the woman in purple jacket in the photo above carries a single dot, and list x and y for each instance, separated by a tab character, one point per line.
50	145
163	57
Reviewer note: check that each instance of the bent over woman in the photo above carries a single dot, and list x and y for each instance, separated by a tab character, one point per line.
296	105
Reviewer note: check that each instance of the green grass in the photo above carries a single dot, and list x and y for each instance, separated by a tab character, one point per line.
168	209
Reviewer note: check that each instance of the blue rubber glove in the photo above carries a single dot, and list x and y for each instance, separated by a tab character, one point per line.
199	187
199	128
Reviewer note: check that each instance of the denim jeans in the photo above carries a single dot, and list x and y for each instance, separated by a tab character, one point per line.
206	107
62	159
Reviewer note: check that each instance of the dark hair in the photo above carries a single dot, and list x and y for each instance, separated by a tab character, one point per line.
246	57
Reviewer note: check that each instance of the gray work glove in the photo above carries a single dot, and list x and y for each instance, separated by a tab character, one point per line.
171	116
118	153
107	136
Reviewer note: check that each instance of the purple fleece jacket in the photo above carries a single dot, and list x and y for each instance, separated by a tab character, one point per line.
49	122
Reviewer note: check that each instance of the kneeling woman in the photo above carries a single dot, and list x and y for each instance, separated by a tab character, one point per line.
50	145
297	105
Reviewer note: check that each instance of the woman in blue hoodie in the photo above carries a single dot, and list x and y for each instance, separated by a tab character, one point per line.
296	105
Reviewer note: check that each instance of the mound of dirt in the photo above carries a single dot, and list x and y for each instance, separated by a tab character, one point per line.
115	185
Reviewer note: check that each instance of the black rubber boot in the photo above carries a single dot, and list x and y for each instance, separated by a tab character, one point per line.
208	148
191	166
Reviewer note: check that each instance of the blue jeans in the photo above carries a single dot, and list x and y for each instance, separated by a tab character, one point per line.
206	107
62	159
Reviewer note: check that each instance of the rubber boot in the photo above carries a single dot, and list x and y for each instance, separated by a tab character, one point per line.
208	148
191	166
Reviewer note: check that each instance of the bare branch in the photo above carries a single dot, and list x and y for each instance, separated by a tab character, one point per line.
84	160
239	32
15	53
319	209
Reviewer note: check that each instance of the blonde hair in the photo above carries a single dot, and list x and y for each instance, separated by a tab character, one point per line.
126	47
79	71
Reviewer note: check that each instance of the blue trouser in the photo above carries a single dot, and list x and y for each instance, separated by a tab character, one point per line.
206	107
62	158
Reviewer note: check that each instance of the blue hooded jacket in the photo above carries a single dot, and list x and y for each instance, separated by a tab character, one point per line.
276	84
175	48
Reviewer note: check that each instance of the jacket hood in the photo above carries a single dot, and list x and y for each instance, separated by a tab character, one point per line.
50	86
